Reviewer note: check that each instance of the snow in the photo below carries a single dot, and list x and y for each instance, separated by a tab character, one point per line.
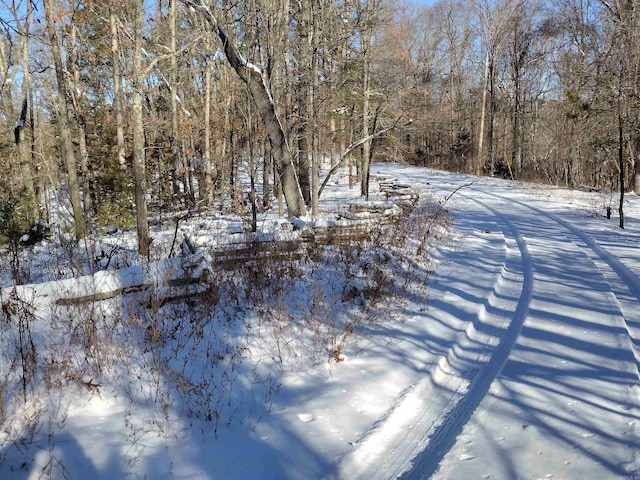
518	360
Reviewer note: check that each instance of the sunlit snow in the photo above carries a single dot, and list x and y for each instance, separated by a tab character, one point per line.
520	360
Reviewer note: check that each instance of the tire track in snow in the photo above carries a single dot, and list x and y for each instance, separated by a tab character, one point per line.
629	280
406	428
427	462
623	284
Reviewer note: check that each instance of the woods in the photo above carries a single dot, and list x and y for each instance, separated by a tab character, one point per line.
242	221
140	108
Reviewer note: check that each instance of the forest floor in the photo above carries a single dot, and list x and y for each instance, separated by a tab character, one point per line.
511	352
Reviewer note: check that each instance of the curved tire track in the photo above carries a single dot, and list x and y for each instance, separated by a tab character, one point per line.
444	436
444	426
617	268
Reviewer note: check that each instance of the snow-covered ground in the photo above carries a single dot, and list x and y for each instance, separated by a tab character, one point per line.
520	360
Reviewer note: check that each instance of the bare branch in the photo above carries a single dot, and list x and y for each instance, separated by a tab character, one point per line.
355	145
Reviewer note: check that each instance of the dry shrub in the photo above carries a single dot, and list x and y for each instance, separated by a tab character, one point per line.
208	351
315	308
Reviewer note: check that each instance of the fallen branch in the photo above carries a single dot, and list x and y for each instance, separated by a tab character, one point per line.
448	197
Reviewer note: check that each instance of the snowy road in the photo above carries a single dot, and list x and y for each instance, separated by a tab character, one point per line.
519	359
552	356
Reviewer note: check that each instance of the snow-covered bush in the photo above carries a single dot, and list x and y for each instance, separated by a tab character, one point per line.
211	354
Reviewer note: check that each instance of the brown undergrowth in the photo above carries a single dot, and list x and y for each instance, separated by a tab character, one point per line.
214	352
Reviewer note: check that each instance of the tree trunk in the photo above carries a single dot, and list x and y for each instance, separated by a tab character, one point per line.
621	162
516	157
366	146
118	100
24	147
173	85
492	115
85	169
207	193
78	109
521	47
139	179
481	160
63	124
266	175
261	95
304	76
316	156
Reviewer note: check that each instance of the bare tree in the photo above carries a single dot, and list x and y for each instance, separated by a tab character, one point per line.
493	20
78	101
139	159
254	77
207	191
24	147
64	123
309	16
625	15
118	98
304	33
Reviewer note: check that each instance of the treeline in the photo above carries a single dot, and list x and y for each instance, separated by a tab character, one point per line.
122	109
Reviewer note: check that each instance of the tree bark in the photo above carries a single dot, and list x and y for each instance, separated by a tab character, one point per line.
304	76
316	156
206	160
520	51
481	159
63	124
366	146
139	162
24	148
261	95
492	115
173	91
79	115
118	100
621	161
